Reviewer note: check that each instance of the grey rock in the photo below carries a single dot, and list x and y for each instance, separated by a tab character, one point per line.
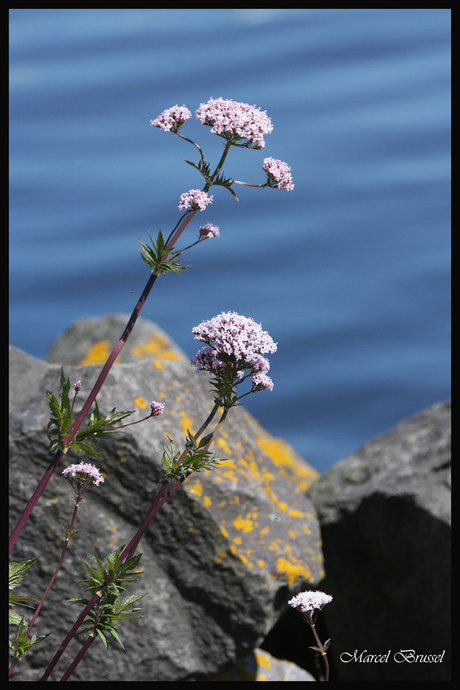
385	519
221	557
90	340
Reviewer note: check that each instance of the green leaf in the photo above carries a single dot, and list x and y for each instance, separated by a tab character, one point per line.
156	256
22	643
203	167
61	414
79	446
110	608
17	571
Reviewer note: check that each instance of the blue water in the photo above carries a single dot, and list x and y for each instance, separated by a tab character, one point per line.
349	273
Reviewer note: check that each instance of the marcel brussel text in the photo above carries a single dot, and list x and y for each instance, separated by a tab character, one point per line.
402	656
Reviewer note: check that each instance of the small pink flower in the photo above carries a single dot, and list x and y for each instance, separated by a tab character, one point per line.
195	200
310	601
77	386
278	174
172	118
235	121
157	408
207	231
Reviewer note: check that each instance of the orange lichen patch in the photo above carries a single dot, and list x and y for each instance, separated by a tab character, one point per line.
223	531
297	513
97	353
158	346
283	456
222	444
140	402
263	659
197	488
244	560
293	570
243	524
186	422
207	501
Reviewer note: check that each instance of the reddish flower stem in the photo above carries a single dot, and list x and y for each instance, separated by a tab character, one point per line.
96	388
160	499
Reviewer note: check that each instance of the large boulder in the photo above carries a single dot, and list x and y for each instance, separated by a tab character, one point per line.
222	556
385	519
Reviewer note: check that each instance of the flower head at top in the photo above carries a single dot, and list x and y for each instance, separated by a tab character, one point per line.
236	121
234	343
308	602
278	174
172	119
195	200
83	473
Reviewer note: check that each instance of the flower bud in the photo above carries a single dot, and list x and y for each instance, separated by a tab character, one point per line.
157	408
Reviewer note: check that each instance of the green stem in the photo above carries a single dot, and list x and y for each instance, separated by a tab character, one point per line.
216	172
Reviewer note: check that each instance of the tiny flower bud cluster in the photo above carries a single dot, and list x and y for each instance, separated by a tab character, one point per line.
77	386
207	231
195	200
239	344
310	601
278	174
234	121
172	118
81	473
157	408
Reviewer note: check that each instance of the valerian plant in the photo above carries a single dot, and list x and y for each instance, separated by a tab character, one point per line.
233	353
61	419
309	604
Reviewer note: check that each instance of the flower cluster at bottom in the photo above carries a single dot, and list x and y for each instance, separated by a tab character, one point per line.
83	472
310	601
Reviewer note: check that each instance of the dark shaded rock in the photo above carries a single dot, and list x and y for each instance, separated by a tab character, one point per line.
221	558
385	525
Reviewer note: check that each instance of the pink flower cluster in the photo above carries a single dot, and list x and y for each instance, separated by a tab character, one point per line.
82	472
172	118
239	342
310	601
278	174
195	200
157	408
261	382
207	231
234	121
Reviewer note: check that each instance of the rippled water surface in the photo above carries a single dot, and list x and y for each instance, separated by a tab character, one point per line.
349	272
